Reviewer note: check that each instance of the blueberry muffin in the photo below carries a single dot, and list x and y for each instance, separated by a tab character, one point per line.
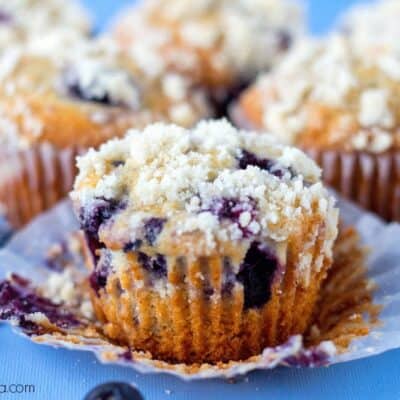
207	244
24	20
373	27
55	103
221	43
342	107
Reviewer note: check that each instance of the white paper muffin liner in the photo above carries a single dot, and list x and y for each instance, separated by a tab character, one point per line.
26	254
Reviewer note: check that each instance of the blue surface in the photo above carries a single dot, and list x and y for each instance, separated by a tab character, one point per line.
67	375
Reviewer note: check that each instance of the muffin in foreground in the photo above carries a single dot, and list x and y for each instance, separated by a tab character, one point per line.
207	245
221	44
57	102
341	107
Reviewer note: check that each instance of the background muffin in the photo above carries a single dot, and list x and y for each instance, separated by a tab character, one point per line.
207	245
56	102
343	108
373	27
24	20
222	44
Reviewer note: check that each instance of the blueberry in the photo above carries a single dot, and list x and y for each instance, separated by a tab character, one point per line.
5	17
222	98
99	211
208	291
232	209
93	216
314	357
285	40
228	280
250	159
98	278
133	246
152	228
156	265
126	355
18	300
117	163
256	275
93	245
75	89
93	87
114	391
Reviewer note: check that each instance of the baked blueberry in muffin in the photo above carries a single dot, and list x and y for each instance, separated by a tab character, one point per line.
212	243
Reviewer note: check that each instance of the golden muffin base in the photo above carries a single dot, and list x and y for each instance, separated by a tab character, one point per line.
190	318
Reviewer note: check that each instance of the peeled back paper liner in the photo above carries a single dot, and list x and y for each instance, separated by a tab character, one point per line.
371	180
359	315
34	180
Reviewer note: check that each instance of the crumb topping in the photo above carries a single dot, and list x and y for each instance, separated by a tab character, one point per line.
261	29
325	92
92	80
213	181
373	28
23	20
96	77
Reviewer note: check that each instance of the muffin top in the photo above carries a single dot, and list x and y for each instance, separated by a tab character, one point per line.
373	27
201	191
326	95
217	41
22	20
86	92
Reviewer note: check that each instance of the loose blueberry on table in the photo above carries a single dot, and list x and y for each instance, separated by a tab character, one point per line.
114	391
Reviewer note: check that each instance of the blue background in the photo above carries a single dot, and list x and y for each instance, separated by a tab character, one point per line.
67	375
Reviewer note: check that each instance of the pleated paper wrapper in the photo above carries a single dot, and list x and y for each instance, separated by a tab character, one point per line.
358	316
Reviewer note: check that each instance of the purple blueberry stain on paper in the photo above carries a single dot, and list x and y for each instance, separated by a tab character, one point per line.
19	302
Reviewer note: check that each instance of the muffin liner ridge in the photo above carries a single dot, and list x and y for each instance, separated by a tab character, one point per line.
349	337
373	181
35	179
199	310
